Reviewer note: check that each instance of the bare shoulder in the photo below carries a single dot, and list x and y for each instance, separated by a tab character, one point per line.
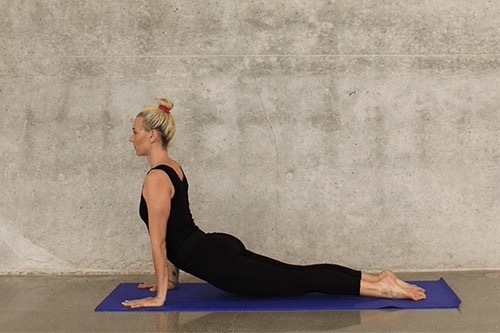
156	175
175	165
177	168
157	182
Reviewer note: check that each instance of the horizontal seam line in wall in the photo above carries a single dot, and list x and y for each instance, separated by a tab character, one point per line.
275	55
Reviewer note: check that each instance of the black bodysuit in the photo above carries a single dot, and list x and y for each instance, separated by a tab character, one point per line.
223	260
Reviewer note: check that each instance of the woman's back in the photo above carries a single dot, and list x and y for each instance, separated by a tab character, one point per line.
180	226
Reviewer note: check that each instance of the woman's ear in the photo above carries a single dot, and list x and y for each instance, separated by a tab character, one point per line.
153	135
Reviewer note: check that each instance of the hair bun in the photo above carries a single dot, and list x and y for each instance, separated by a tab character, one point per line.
166	103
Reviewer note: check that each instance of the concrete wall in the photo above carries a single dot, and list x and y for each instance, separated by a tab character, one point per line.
364	133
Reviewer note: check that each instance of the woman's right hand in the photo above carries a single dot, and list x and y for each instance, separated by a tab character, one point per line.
152	286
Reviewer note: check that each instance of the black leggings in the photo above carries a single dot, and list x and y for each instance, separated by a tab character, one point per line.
223	261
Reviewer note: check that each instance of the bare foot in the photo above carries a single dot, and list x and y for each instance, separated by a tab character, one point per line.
401	283
394	288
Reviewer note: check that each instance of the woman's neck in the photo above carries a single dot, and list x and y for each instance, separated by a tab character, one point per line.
158	157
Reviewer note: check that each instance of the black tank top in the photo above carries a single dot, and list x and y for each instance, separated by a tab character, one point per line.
182	232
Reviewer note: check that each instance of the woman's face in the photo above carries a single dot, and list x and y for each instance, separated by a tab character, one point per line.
140	137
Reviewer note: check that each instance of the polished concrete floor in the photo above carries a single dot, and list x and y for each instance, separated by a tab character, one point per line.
62	303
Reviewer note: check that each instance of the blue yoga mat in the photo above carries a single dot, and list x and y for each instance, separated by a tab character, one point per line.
203	297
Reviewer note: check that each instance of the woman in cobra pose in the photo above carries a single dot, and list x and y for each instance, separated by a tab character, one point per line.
222	259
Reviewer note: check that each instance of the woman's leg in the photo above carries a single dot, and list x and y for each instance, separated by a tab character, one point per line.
263	277
334	279
223	261
277	263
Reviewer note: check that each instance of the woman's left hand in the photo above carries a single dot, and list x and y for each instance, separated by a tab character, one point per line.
144	303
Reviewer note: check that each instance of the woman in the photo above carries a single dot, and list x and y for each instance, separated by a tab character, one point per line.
222	259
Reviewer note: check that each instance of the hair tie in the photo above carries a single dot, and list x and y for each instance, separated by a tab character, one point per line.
164	108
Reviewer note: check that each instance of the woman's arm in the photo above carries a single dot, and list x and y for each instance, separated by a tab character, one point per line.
158	191
173	275
173	279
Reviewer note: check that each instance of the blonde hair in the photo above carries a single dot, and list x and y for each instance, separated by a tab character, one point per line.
159	119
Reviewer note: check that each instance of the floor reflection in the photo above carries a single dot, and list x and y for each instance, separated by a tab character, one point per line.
256	321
